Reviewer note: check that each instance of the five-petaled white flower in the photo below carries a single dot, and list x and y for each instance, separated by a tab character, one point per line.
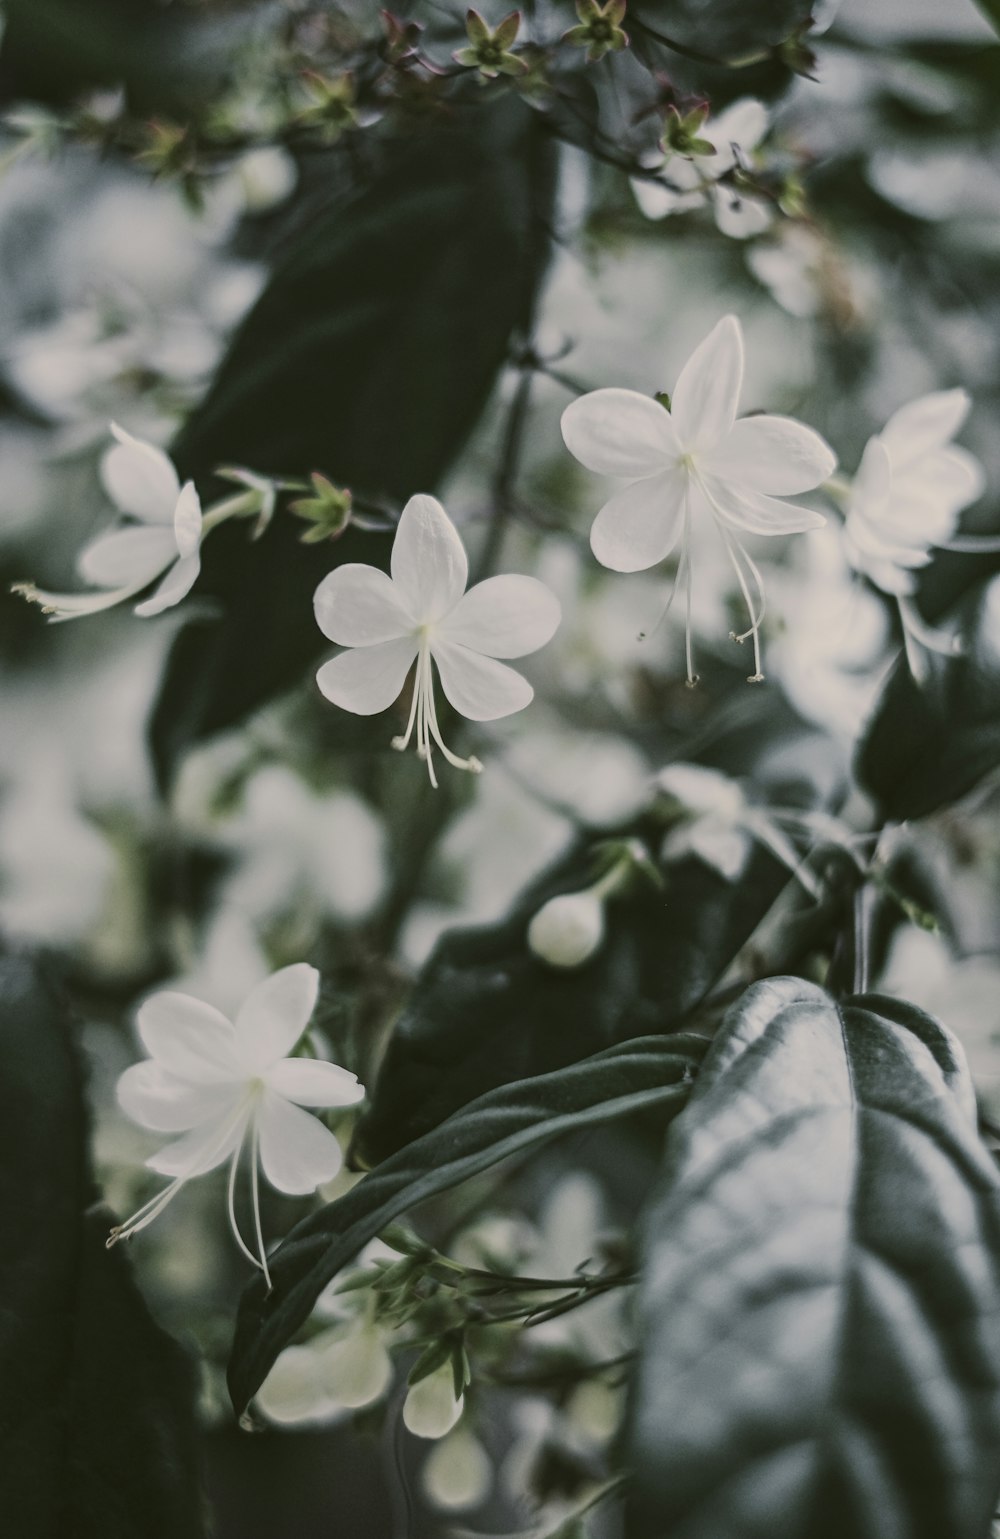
163	540
223	1084
694	461
911	486
690	183
423	613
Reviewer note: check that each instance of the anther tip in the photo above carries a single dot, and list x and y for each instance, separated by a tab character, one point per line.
755	678
693	681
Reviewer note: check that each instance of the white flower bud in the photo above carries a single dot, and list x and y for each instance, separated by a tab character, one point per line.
431	1407
567	930
356	1369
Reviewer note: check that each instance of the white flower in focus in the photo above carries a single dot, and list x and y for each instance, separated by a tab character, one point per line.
422	613
222	1085
432	1407
162	541
696	461
910	489
568	929
690	184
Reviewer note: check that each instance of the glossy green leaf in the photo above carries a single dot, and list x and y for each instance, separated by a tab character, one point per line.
166	58
641	1074
485	1010
369	357
819	1353
97	1428
725	30
929	743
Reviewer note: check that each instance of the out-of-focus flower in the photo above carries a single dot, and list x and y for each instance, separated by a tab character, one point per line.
423	613
301	852
910	489
163	541
432	1405
221	1084
457	1473
695	460
961	991
832	636
691	183
721	827
600	28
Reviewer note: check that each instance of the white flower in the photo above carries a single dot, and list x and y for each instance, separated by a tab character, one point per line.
457	1473
162	541
692	183
432	1407
722	827
423	613
696	461
911	486
568	929
222	1084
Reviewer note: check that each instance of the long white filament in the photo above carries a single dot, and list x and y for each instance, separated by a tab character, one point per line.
423	717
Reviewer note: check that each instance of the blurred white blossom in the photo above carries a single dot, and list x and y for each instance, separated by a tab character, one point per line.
162	541
691	183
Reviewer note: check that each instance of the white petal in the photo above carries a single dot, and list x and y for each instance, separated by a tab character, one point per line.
718	844
200	1150
657	201
431	1407
872	484
504	617
640	525
357	1369
312	1082
273	1017
140	479
297	1153
428	563
368	679
772	454
187	520
759	514
950	478
176	585
158	1100
740	215
479	687
743	123
126	557
359	606
188	1038
923	424
708	390
620	433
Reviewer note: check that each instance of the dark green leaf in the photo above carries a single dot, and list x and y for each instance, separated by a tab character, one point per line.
645	1073
167	59
97	1430
369	357
991	10
929	743
730	30
485	1010
818	1321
